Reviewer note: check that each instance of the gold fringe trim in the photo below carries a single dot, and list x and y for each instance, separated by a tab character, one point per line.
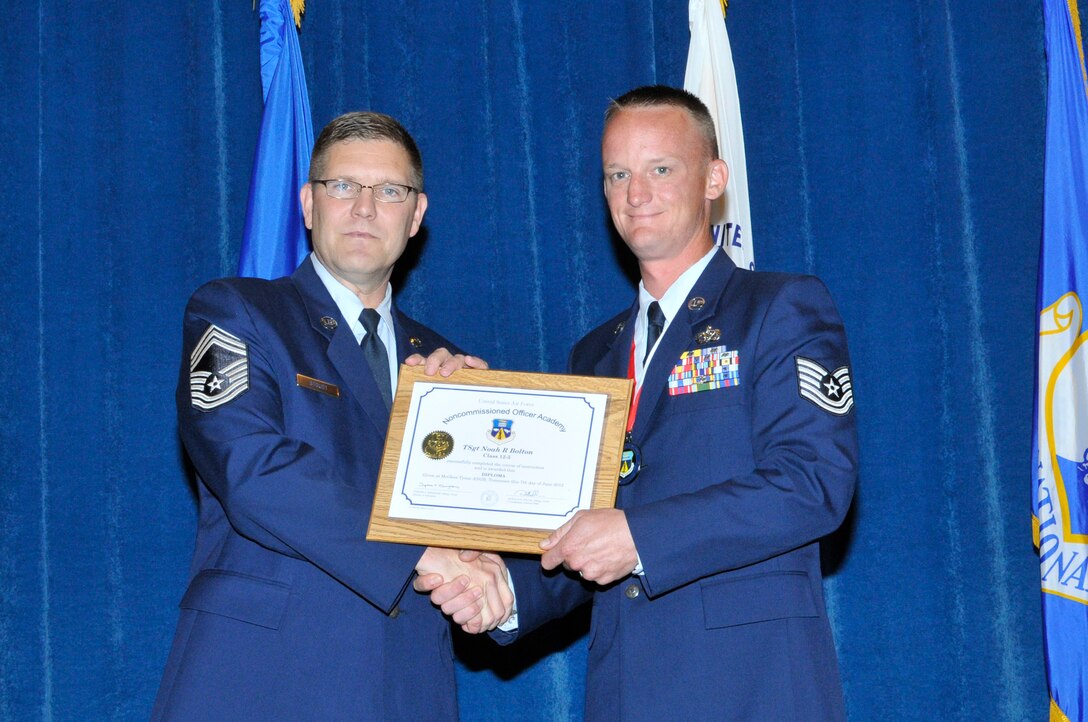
1056	715
297	7
1074	16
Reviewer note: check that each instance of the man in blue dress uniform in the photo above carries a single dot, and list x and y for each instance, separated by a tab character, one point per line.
283	404
705	579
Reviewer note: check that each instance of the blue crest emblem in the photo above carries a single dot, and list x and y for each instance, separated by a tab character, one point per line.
630	462
1061	496
502	430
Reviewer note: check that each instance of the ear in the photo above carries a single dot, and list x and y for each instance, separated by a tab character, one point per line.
306	198
717	175
417	217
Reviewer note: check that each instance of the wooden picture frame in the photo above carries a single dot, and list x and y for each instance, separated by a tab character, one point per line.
485	537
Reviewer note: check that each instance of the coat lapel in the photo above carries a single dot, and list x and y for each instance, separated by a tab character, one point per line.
343	350
615	360
404	339
692	319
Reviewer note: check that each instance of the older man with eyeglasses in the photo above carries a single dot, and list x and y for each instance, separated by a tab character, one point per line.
283	404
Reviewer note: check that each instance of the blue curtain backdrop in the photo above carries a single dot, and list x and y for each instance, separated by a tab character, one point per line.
894	148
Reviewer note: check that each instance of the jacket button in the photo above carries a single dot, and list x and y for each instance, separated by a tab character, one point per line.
395	613
631	591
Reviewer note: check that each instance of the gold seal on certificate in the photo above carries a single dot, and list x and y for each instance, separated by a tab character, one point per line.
495	460
437	445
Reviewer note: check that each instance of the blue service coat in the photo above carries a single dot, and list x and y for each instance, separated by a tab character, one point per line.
737	485
290	613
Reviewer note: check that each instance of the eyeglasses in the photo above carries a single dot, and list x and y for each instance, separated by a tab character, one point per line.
383	193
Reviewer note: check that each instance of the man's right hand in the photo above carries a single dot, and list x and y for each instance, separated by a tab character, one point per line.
469	587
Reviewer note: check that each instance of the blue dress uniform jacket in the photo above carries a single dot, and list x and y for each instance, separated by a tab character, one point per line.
290	613
736	487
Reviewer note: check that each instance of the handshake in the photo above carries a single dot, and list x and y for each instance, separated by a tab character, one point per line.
472	587
477	596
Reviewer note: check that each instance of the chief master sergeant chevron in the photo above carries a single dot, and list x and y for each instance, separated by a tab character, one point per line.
705	580
290	613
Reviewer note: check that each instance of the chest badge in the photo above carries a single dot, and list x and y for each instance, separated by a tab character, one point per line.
708	335
630	461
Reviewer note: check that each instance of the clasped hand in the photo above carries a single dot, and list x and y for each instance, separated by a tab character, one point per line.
476	595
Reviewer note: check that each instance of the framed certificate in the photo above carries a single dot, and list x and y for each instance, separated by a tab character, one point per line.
495	460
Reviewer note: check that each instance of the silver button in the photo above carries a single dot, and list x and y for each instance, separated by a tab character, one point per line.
631	590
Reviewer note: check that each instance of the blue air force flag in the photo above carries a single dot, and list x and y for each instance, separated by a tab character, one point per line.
710	75
1060	493
274	241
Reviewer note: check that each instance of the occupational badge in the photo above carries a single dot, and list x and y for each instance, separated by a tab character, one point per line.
328	322
708	335
829	390
218	369
619	328
414	342
696	302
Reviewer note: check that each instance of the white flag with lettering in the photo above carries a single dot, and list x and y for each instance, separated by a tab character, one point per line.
710	75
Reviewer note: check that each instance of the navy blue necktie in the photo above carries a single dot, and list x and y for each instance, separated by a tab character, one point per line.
375	354
655	324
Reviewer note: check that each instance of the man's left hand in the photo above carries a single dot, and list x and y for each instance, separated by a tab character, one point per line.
597	544
441	361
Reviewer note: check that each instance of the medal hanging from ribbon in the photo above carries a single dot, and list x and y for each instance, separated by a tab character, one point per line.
631	458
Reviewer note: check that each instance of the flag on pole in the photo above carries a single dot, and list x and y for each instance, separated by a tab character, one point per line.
710	75
274	241
1060	492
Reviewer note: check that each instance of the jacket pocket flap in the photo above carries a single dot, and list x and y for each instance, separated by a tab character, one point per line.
760	598
238	596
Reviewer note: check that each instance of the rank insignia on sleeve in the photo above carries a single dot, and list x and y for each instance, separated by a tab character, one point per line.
218	369
832	391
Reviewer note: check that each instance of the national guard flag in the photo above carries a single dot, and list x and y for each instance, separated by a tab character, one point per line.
1060	495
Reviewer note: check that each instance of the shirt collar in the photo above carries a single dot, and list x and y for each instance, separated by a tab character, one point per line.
677	294
671	302
349	304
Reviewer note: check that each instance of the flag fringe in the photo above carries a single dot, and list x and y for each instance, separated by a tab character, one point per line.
1074	17
297	7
